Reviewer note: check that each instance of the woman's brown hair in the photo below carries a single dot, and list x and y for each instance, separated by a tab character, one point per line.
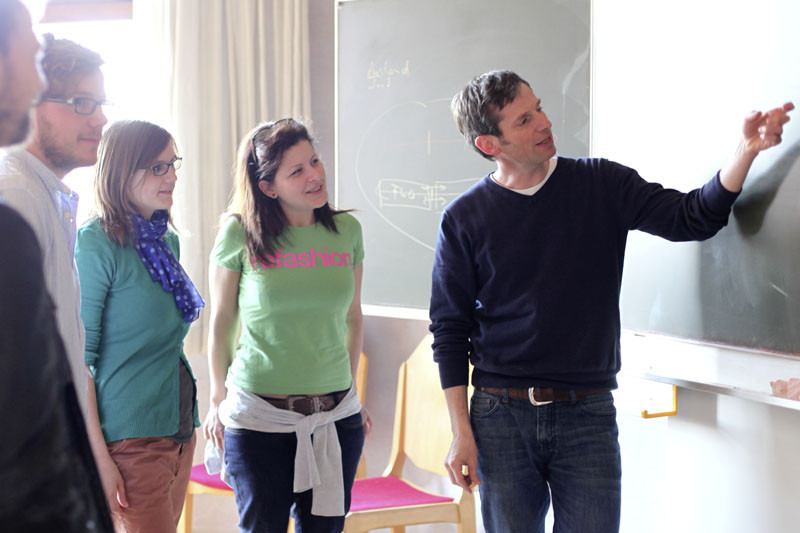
260	154
126	146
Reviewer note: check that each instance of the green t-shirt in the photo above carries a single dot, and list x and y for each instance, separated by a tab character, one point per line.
293	307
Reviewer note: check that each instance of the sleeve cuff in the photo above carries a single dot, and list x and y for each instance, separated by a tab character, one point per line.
453	373
718	198
90	358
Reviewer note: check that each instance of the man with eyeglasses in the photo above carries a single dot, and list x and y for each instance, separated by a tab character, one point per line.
68	125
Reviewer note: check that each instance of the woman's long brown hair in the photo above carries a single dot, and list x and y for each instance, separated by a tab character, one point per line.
259	157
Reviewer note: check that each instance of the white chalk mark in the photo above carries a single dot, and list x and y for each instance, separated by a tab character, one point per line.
785	294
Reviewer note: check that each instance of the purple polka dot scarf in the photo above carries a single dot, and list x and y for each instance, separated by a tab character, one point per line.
163	266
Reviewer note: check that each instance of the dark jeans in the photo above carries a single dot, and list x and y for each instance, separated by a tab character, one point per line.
527	452
261	466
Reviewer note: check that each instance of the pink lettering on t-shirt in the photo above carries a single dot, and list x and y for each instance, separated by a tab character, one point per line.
310	259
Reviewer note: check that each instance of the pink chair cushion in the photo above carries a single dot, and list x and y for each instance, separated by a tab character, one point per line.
199	475
389	491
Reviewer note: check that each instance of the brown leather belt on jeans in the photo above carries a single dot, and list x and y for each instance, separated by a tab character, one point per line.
544	395
306	405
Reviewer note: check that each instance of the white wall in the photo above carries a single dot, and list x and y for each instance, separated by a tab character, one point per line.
722	464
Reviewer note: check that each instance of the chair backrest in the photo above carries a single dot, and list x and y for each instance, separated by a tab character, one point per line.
422	423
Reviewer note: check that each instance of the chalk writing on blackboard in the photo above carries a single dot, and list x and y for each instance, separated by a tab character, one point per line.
380	76
415	195
400	155
410	164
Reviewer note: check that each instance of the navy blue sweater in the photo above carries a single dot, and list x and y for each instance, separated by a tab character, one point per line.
527	287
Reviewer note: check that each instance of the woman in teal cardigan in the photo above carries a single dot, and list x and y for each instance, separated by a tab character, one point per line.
137	304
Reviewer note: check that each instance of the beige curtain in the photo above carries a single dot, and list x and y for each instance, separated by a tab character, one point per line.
221	67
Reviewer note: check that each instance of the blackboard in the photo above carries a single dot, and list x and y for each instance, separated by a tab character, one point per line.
672	107
400	157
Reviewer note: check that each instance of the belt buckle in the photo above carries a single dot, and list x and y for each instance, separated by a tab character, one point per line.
319	405
290	401
533	400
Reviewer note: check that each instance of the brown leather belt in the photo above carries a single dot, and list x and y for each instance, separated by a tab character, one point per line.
306	405
544	395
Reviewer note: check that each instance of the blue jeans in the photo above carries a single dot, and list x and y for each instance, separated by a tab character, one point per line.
261	466
527	452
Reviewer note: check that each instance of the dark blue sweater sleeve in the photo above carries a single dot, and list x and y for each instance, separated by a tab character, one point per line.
453	296
673	215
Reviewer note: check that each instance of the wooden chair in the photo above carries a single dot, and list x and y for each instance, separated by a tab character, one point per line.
203	483
421	434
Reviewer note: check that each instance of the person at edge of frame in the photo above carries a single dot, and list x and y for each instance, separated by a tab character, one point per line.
48	478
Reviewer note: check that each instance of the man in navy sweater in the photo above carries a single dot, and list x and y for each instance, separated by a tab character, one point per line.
526	286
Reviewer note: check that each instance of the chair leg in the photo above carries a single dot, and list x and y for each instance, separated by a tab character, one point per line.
466	513
467	526
361	469
348	526
398	529
185	523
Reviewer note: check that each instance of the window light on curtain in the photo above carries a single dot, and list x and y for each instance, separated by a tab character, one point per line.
83	10
228	66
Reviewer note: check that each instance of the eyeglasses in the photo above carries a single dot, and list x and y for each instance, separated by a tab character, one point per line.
83	104
269	126
159	169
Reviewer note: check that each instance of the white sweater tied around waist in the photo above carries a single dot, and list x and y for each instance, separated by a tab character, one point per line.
317	465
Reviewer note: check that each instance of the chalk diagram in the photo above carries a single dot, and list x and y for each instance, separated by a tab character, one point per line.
417	195
411	163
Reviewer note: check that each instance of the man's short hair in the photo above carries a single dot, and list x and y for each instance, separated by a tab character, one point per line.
65	64
475	108
9	18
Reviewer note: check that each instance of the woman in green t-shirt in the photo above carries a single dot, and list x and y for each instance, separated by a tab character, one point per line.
287	267
137	304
